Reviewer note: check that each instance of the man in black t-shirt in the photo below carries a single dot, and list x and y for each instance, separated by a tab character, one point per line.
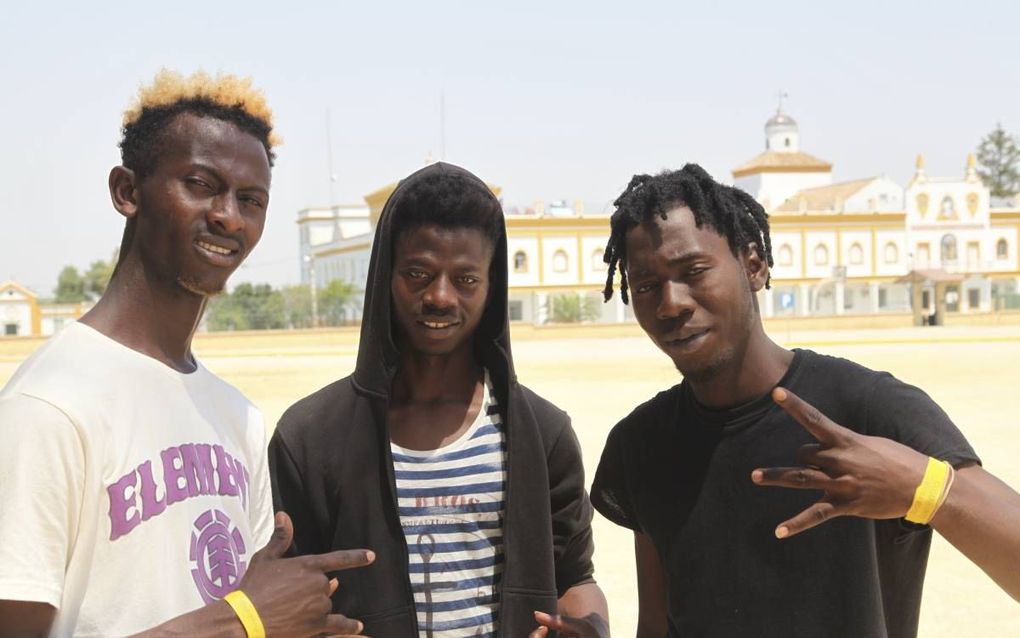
692	253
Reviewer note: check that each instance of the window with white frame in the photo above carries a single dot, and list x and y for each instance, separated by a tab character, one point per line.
520	262
821	255
785	255
892	253
856	254
559	261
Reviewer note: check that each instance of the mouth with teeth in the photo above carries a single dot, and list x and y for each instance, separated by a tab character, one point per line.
437	325
222	254
219	250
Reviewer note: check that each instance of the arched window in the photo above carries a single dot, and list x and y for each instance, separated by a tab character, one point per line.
821	255
1001	249
785	255
856	254
892	253
598	263
520	261
948	248
947	209
559	261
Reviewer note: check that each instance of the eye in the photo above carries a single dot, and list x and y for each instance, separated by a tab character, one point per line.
251	201
643	287
697	270
417	274
198	182
468	279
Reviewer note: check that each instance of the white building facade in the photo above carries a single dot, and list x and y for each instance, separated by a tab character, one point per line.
858	247
864	246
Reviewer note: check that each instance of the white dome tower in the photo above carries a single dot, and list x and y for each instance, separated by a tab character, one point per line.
781	133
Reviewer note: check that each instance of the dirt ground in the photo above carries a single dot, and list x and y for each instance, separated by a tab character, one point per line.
598	376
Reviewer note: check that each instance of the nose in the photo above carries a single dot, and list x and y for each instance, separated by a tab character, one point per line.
439	295
226	214
675	302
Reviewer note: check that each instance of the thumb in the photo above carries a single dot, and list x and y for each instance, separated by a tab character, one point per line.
283	534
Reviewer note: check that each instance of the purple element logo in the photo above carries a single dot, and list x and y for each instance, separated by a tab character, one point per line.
217	554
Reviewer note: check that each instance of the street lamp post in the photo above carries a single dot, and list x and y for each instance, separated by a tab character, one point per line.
312	285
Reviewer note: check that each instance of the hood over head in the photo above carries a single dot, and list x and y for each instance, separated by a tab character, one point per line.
378	356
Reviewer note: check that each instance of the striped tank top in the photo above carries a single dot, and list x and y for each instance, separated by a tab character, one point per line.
450	503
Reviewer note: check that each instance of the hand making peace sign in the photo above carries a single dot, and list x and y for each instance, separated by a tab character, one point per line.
860	475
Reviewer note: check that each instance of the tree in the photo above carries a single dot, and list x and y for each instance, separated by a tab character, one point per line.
248	307
337	302
999	158
98	276
70	286
76	287
572	308
297	306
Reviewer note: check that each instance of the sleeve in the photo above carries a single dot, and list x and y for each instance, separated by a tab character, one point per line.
609	493
905	413
571	510
289	496
42	478
261	494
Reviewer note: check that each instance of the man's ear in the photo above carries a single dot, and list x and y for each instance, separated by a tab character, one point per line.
756	268
124	191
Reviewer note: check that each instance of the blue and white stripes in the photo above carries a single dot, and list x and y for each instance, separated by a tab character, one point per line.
451	509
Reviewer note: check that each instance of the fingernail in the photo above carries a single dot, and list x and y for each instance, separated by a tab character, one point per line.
756	476
779	395
782	532
370	556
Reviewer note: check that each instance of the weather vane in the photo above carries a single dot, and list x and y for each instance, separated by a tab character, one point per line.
781	95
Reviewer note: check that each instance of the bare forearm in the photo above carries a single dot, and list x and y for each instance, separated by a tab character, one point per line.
585	601
217	619
981	518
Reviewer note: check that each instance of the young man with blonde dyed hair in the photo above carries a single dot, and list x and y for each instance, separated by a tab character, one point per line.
155	492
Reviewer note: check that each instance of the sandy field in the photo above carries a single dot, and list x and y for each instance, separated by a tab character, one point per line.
599	374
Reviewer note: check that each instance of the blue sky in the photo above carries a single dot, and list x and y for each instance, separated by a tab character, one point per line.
551	100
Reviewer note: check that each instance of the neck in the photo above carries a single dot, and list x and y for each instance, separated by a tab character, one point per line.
423	378
752	372
155	318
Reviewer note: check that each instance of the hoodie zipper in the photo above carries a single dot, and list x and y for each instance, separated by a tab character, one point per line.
506	510
392	477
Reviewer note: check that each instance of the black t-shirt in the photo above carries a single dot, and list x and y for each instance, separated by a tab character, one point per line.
681	474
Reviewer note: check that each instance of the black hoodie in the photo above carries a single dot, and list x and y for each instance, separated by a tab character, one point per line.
333	473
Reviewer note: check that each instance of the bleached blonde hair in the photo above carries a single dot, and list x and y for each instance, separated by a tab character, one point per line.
224	96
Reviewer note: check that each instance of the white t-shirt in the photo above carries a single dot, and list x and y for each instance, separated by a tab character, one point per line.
451	504
130	493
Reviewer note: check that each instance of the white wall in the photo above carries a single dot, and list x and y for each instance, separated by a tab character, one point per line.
776	188
814	239
901	264
847	240
552	244
882	194
529	245
595	270
16	311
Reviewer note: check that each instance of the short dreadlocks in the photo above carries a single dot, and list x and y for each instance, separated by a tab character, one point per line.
729	211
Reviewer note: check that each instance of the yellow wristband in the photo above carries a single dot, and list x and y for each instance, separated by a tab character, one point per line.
929	492
246	613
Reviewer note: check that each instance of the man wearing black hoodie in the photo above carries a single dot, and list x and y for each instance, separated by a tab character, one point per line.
467	485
